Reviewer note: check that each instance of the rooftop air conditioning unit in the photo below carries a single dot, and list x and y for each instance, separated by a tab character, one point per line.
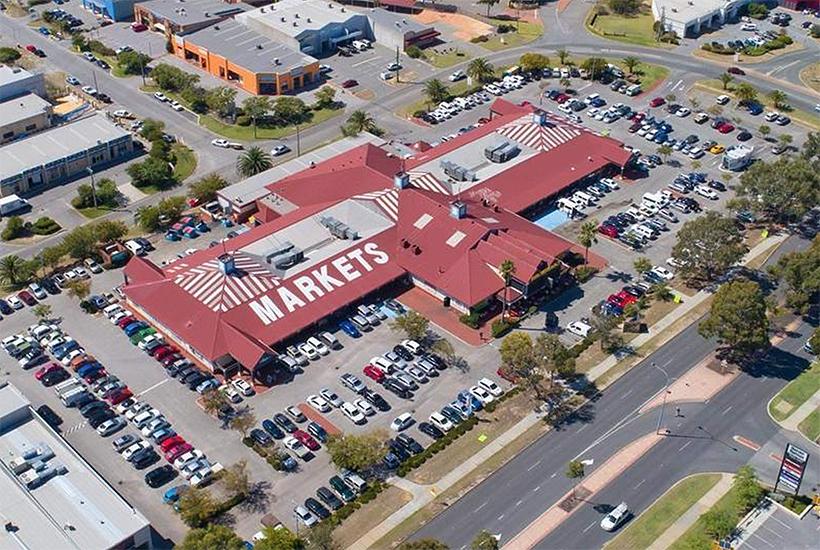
259	46
275	60
308	20
294	24
296	16
282	19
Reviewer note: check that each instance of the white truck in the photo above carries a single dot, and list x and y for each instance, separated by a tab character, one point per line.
71	397
66	386
11	204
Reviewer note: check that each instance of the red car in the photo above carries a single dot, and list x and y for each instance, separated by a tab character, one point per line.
507	375
171	442
125	321
635	127
31	48
138	27
736	70
27	298
725	128
118	396
374	373
622	299
608	230
175	452
657	102
350	83
45	369
562	98
170	359
305	439
164	351
639	117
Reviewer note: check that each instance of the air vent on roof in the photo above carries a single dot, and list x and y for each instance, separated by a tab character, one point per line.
501	152
401	180
207	14
308	20
342	10
458	210
226	264
296	16
275	60
539	118
216	27
339	229
259	46
262	10
295	24
282	19
458	173
284	256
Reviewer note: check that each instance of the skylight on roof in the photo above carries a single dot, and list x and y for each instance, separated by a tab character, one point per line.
423	220
489	219
455	238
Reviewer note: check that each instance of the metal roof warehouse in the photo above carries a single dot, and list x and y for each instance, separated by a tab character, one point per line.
339	231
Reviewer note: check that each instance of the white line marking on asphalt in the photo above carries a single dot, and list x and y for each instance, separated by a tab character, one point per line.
534	465
729	408
764	540
778	535
500	517
626	394
675	87
684	446
158	384
519	503
639	484
536	489
365	61
553	475
584	427
786	66
781	523
589	527
746	543
480	507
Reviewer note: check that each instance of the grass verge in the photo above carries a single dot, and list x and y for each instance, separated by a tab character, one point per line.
525	33
810	76
629	30
446	59
810	427
697	535
796	393
93	213
748	59
186	162
644	530
370	515
245	133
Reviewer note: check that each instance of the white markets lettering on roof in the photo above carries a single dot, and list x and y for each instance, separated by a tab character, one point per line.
300	291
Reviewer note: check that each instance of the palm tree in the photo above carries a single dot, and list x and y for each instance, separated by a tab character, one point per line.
778	98
630	62
562	54
13	270
565	82
726	79
359	121
664	151
587	236
507	272
480	70
256	108
436	91
253	161
489	4
746	93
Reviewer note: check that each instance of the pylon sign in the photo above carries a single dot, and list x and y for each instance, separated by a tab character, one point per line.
792	468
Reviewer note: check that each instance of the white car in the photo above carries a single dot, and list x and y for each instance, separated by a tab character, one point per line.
456	76
579	328
707	192
279	150
148	339
615	517
110	426
90	90
490	386
92	266
481	394
309	351
331	397
318	345
176	106
156	424
224	143
135	448
402	422
243	387
318	403
15	302
160	96
366	408
231	393
201	476
722	99
122	113
187	458
135	409
672	262
683	112
663	273
441	422
81	272
70	357
385	365
193	467
293	444
305	517
412	345
353	413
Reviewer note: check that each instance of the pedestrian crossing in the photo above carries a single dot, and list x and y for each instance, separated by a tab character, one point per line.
74	428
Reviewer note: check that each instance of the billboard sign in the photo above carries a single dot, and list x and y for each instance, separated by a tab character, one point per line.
792	468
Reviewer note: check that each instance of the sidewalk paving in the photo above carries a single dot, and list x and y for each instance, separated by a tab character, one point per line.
802	412
674	532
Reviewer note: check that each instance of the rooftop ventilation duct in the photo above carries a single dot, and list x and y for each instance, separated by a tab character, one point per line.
401	180
226	264
458	210
539	118
339	229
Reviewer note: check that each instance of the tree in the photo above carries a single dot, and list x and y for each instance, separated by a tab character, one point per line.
436	91
670	98
778	98
801	273
695	164
147	218
726	79
507	271
642	265
604	329
782	191
444	349
660	291
533	62
243	421
587	236
765	130
630	62
80	42
42	311
204	190
595	66
14	229
235	479
357	452
738	318
664	151
489	4
212	401
484	540
172	79
413	324
133	62
220	99
424	544
107	231
321	538
160	149
359	122
51	256
152	171
152	129
480	70
517	352
625	7
565	82
80	243
552	356
79	289
289	110
105	190
256	107
325	97
575	471
814	341
253	161
562	54
196	506
718	523
14	270
811	148
784	139
9	55
707	246
280	539
746	93
172	206
747	487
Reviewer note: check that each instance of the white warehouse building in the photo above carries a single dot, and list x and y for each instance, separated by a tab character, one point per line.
691	17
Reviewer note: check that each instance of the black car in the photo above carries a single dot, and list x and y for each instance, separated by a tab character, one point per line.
329	497
145	243
717	185
103	65
429	429
403	352
105	98
393	385
744	135
5	307
270	427
284	422
146	459
409	443
394	306
160	476
318	432
376	400
195	380
398	449
635	291
49	285
451	414
84	400
391	461
172	370
51	417
99	417
316	507
183	373
55	377
261	437
437	361
88	409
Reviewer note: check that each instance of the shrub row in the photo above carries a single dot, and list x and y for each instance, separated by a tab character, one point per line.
491	407
347	510
271	458
585	273
218	510
45	226
472	320
501	327
436	446
581	346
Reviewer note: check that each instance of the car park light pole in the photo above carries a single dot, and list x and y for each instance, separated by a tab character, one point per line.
665	393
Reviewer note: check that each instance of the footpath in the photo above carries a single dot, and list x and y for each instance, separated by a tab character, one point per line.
425	494
802	412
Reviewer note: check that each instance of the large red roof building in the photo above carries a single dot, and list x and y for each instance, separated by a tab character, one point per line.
337	232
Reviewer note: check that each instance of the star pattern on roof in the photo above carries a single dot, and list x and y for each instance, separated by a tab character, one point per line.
541	137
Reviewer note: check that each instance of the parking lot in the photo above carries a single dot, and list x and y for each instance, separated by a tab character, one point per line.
780	529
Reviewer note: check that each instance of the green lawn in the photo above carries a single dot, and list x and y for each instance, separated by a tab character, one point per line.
630	30
186	162
245	133
696	537
643	531
650	74
810	427
446	59
526	32
796	393
93	213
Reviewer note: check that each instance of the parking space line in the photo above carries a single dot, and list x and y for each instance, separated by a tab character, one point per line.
158	384
365	61
764	540
589	527
772	531
787	526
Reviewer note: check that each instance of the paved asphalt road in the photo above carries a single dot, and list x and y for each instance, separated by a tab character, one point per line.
519	492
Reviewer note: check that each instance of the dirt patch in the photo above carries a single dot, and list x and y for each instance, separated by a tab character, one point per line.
810	76
572	501
465	28
370	515
366	95
784	407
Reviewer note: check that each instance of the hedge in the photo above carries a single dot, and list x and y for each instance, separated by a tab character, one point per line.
347	510
585	273
218	510
436	446
472	320
45	226
500	327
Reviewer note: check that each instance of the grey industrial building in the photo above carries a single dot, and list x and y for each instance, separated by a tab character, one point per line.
23	116
51	497
15	82
53	156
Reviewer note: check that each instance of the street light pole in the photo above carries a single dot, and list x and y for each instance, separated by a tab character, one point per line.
665	393
298	142
93	187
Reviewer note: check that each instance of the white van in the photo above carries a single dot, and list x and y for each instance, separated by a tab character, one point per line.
584	198
569	205
656	199
330	340
354	481
648	210
634	90
644	232
67	385
111	310
135	248
73	396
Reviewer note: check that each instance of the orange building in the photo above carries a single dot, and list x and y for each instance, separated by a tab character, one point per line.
242	56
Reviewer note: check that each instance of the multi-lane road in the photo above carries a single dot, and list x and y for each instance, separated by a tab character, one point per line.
702	440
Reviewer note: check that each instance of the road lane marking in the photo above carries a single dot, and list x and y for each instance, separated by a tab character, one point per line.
365	61
764	540
589	527
500	517
584	427
519	503
536	489
553	475
534	465
639	484
626	394
158	384
747	442
685	445
480	507
729	408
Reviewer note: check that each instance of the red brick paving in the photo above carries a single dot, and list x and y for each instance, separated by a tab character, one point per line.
314	416
444	317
